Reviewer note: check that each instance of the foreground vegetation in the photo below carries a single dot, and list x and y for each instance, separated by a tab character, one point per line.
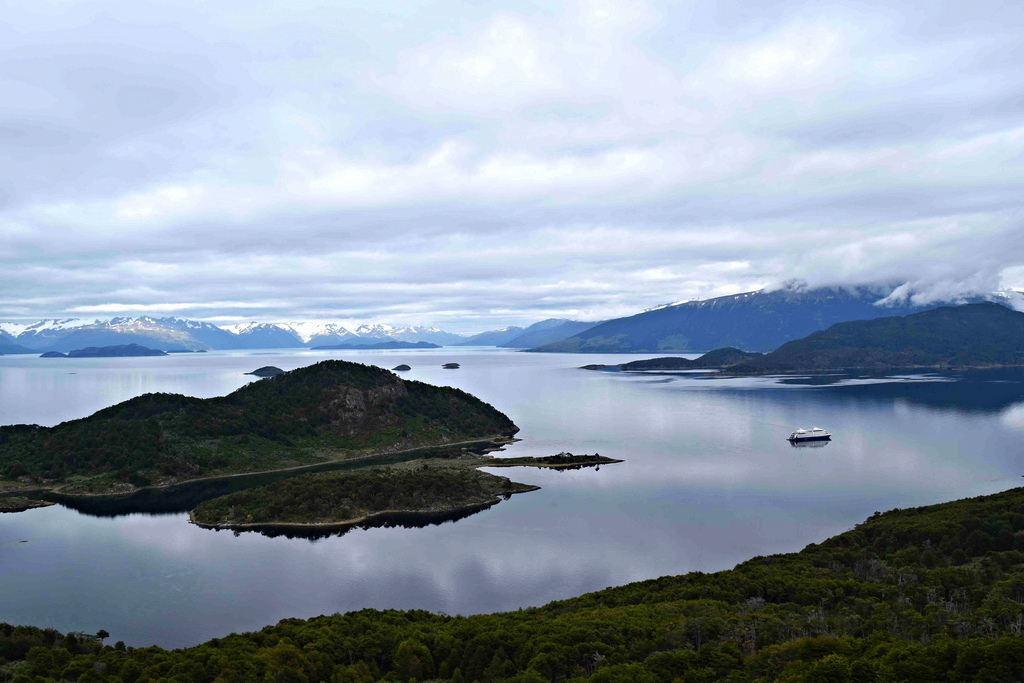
326	411
333	498
928	594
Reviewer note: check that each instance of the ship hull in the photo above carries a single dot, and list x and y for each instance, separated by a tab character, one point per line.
811	438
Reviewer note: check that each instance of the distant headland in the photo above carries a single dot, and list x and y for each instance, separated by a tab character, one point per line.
117	351
378	346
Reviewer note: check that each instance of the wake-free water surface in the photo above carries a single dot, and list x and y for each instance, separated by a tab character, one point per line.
709	480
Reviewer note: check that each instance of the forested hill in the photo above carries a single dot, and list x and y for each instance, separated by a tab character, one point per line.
930	594
753	321
328	410
969	336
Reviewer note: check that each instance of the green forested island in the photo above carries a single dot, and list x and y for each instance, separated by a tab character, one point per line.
925	594
328	411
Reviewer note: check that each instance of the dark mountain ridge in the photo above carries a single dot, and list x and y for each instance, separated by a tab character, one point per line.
980	335
547	332
753	321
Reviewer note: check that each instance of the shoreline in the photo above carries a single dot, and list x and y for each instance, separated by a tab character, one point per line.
497	441
357	521
14	504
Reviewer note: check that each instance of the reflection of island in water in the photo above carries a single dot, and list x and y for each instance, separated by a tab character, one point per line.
416	493
266	489
390	520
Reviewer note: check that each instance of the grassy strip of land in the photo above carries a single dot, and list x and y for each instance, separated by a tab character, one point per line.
353	497
20	504
927	594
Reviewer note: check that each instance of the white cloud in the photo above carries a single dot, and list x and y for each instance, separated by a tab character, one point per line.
473	164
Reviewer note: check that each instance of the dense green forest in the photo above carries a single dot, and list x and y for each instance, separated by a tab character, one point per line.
925	594
328	410
337	497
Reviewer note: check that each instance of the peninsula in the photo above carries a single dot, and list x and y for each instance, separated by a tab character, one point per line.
719	358
330	411
20	504
341	499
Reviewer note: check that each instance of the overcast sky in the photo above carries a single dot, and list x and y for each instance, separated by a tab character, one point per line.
477	164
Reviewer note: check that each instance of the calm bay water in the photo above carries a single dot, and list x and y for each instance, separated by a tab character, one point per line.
709	480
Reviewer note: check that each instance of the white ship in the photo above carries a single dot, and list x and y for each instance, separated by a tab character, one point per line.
813	434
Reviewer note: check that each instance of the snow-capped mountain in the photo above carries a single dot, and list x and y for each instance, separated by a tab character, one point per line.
181	333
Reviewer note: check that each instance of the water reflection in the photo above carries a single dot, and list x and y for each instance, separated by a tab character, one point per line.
185	497
708	480
390	520
809	444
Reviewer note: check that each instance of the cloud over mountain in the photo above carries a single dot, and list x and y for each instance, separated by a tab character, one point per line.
479	164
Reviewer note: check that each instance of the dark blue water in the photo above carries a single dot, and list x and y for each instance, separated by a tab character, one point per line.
709	480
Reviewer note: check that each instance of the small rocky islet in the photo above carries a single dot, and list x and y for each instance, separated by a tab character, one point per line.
266	371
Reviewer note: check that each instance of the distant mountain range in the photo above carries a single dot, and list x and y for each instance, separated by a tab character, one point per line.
492	337
544	332
965	337
547	332
9	345
753	321
177	334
